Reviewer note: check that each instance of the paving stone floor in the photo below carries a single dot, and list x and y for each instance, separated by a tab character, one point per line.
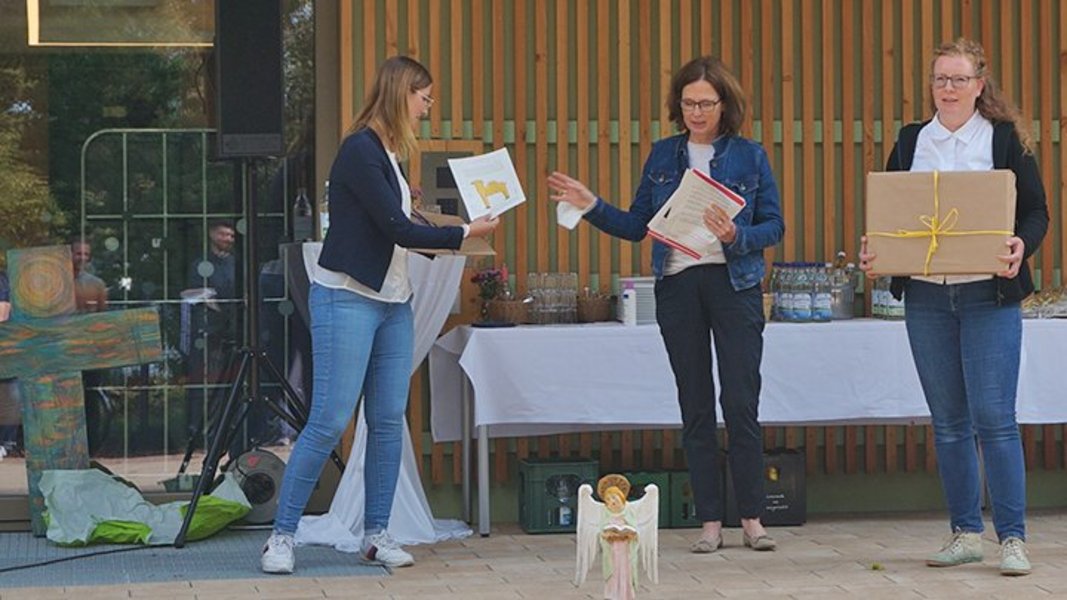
867	557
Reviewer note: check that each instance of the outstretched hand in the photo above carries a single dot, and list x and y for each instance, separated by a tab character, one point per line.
568	189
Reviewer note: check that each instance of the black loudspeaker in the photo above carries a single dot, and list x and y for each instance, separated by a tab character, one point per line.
248	78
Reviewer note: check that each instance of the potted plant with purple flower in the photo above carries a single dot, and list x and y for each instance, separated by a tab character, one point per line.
497	305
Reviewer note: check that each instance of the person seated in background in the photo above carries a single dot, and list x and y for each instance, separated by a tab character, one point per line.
214	326
90	292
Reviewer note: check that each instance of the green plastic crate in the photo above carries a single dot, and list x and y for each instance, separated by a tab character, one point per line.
638	481
683	510
548	493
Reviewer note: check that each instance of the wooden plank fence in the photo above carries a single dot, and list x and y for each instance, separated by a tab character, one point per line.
580	85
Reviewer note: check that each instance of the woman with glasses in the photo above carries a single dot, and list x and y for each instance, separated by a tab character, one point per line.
716	297
362	332
966	331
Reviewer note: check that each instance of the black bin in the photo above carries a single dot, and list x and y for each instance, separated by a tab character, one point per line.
784	483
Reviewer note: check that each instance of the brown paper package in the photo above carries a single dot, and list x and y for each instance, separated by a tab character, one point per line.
901	201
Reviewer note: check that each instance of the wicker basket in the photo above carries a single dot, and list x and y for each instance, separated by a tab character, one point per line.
508	311
595	309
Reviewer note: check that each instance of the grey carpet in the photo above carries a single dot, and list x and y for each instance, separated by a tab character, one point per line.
227	555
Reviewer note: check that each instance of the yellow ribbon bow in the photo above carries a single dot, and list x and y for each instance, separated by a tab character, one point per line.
936	226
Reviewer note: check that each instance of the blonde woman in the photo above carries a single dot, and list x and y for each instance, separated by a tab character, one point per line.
360	303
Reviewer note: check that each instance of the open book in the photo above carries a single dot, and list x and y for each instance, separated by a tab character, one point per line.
680	221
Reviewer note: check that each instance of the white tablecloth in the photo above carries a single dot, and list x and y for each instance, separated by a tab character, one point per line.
537	380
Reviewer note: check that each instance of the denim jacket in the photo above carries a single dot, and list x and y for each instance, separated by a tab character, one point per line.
741	165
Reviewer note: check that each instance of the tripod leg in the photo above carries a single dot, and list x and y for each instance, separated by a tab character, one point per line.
188	454
293	401
233	432
218	443
190	445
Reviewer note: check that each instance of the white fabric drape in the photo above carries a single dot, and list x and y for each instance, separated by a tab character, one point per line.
435	284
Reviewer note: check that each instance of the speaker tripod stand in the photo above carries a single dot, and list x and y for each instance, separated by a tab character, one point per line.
246	383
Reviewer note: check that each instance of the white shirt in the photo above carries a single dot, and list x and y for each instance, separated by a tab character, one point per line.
396	288
969	148
700	156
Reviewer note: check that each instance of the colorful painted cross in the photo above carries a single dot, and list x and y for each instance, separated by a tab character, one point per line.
46	346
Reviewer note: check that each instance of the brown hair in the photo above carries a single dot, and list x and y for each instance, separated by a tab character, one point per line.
386	108
991	104
711	70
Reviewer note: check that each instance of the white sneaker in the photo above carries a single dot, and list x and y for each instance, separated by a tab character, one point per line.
1013	557
278	554
382	548
961	548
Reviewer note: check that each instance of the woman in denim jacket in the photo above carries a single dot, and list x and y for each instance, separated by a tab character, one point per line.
716	297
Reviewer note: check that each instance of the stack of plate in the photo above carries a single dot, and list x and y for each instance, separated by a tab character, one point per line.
646	297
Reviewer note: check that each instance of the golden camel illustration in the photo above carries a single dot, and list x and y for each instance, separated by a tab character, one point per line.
487	190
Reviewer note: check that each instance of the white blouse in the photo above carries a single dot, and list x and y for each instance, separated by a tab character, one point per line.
969	148
396	288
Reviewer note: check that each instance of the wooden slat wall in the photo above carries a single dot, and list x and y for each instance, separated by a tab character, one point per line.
580	85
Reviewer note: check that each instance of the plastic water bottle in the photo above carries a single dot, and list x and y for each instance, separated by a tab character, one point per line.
563	495
775	288
787	281
879	293
802	294
302	226
822	299
324	211
894	309
628	301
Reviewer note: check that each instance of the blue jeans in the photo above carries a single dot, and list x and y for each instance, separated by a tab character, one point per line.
691	308
358	344
966	349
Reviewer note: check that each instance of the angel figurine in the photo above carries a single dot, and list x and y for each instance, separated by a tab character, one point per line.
626	532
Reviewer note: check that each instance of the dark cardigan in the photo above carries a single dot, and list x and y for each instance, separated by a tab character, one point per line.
366	219
1031	211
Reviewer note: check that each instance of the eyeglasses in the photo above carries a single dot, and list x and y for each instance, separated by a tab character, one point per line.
690	106
958	81
429	100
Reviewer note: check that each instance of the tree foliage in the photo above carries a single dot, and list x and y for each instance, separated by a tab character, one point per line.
28	214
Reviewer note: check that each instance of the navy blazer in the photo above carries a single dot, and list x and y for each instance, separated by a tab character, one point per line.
1031	210
366	218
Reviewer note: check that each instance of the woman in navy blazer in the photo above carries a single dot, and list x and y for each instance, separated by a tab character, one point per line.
362	331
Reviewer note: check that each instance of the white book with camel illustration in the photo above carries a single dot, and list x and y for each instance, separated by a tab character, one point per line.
487	183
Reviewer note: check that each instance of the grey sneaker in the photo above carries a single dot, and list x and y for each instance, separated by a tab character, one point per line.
278	554
382	548
962	548
1013	559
